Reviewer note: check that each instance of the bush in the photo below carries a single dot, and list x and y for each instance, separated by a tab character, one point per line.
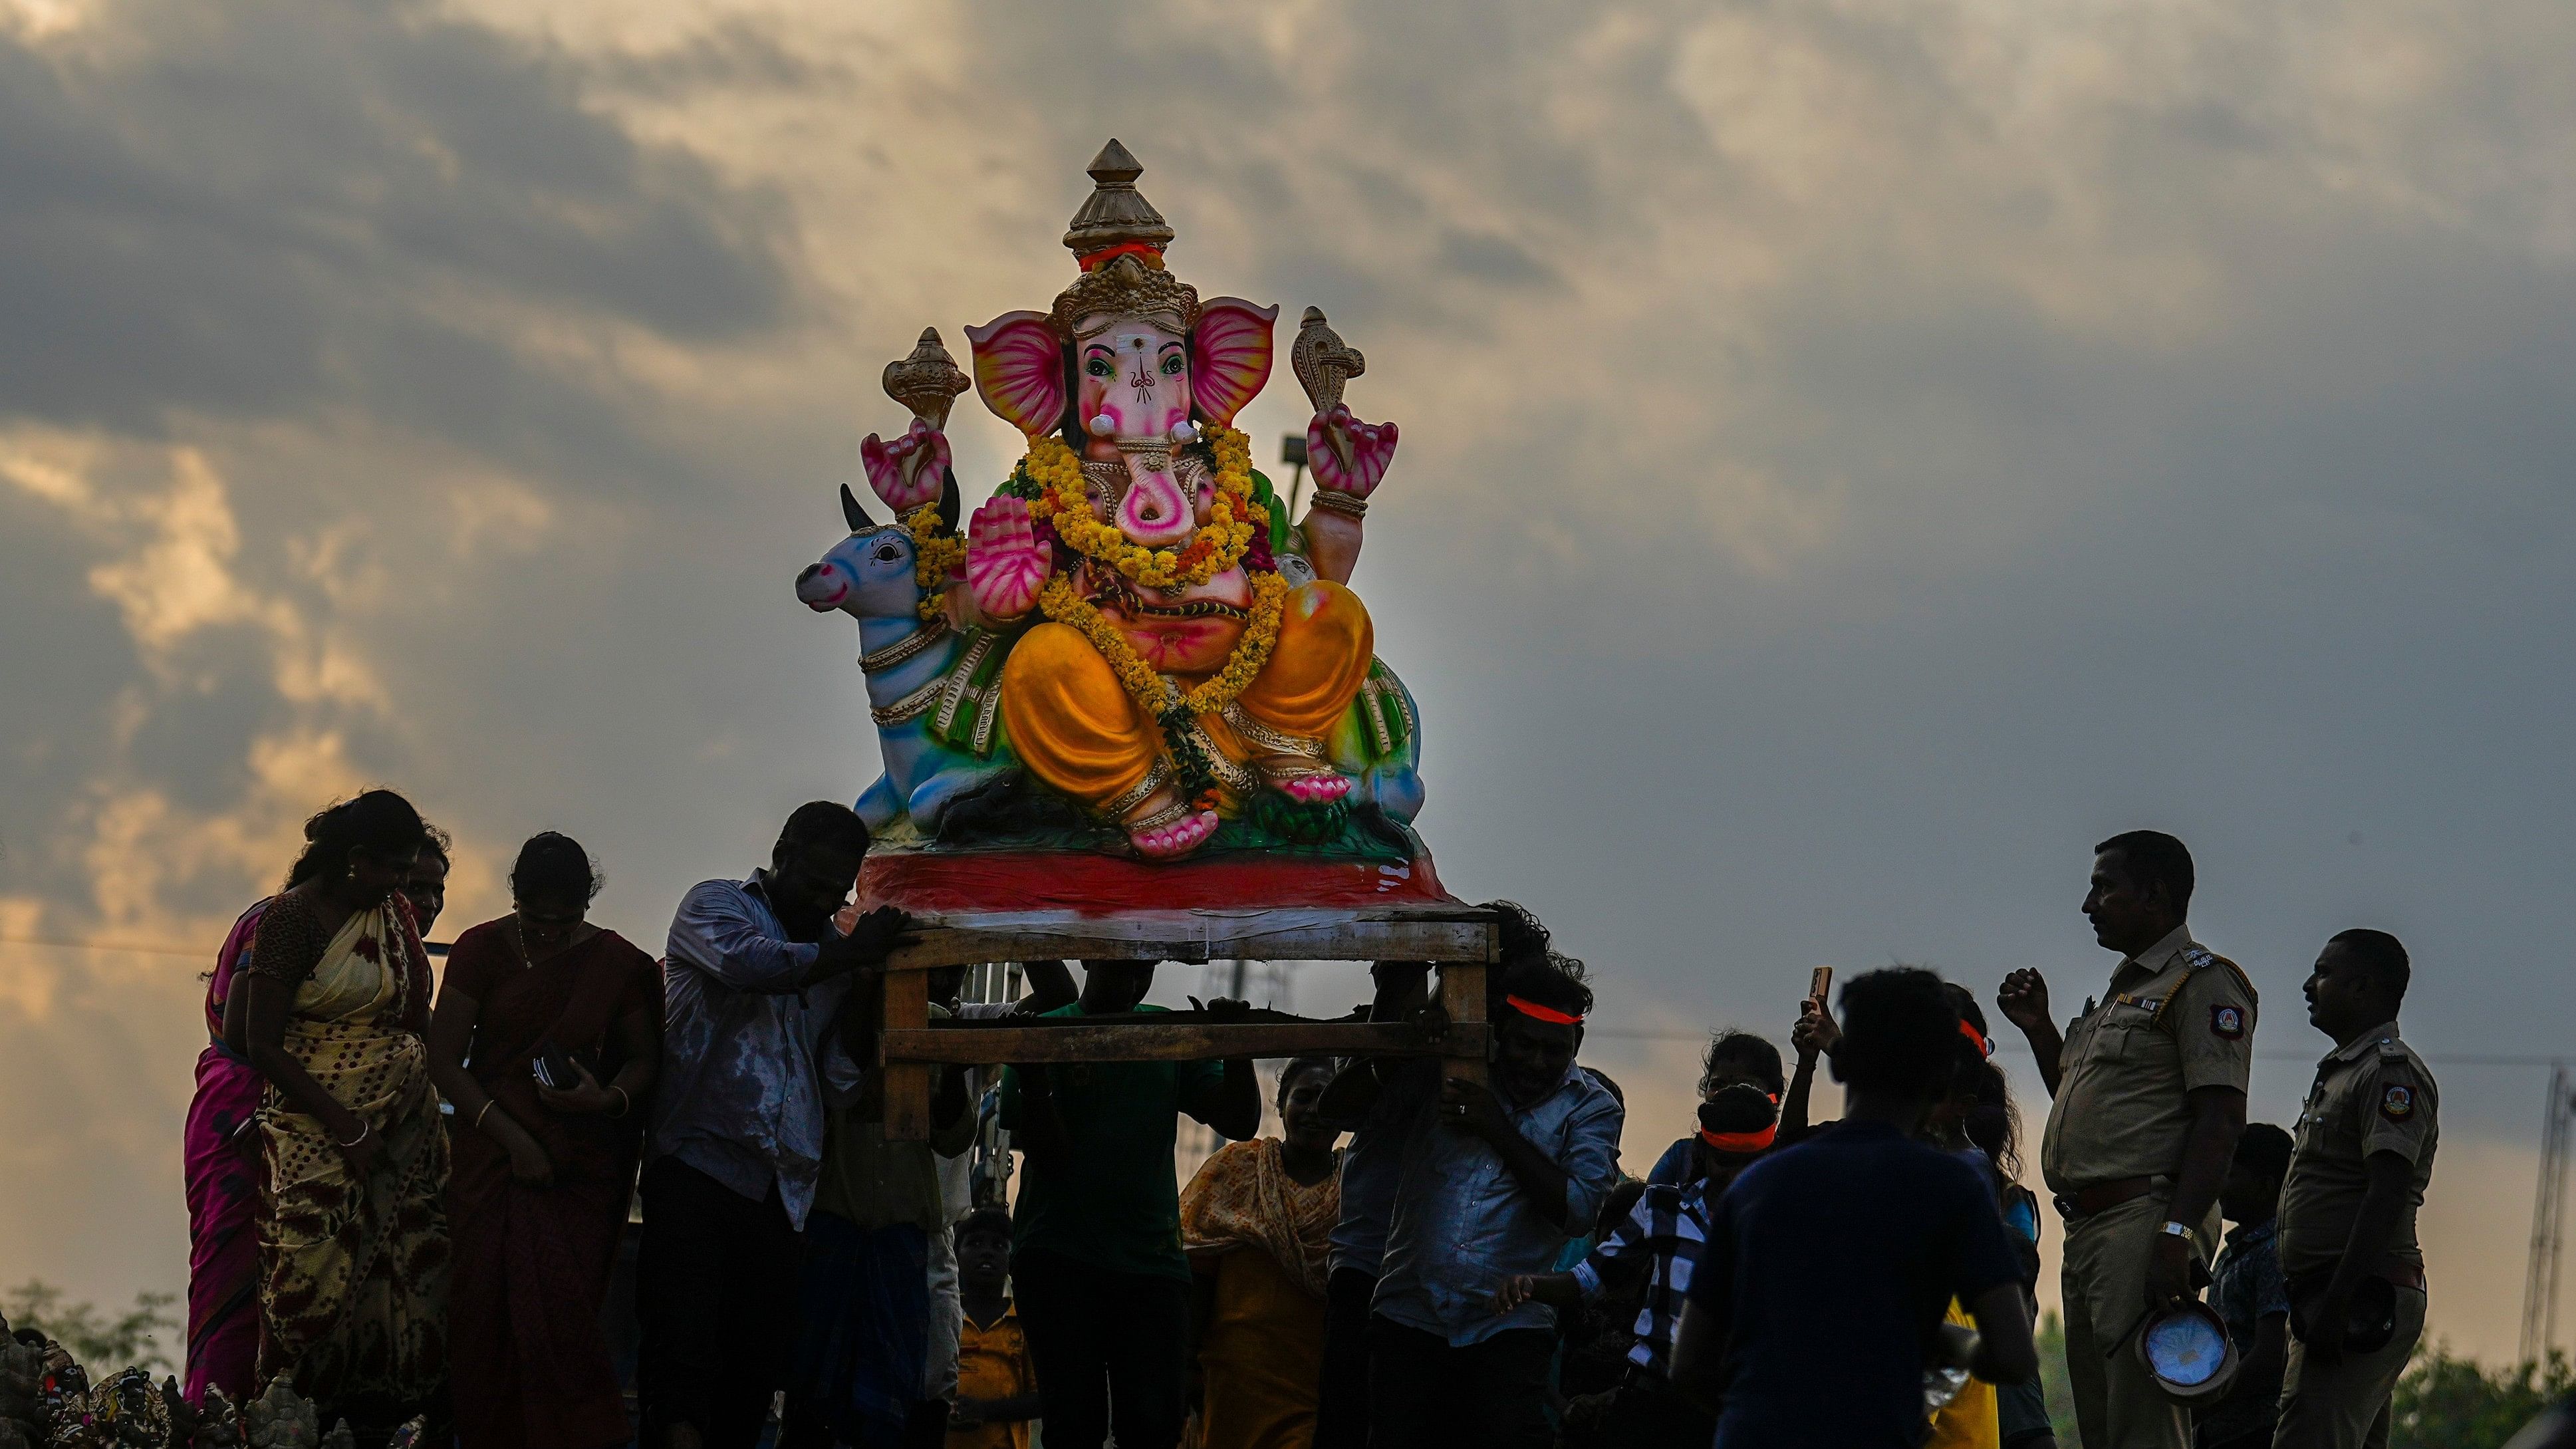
2456	1403
2051	1341
101	1343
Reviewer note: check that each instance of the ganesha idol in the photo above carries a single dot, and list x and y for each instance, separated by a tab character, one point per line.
1130	621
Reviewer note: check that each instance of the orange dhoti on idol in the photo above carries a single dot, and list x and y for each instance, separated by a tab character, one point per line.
1077	728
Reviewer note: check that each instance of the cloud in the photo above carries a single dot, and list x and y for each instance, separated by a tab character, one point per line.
281	209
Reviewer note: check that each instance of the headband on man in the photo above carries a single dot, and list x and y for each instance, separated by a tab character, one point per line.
1977	1039
1536	1012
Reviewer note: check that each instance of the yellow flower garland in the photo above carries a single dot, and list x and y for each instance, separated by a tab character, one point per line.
1233	518
1152	691
935	554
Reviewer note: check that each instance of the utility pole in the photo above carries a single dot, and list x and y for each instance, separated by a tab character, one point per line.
2548	1220
1292	451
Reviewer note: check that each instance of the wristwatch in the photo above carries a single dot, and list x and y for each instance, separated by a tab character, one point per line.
2174	1229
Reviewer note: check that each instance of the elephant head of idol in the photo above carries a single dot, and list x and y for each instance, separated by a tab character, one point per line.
1129	365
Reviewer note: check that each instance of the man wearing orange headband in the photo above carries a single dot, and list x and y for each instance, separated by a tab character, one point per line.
1496	1182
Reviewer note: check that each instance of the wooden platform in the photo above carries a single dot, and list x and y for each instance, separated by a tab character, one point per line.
1462	939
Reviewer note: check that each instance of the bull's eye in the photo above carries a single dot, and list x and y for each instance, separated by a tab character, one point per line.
888	553
1100	366
1172	365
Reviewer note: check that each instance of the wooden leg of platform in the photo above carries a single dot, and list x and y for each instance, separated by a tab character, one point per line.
1462	996
907	1084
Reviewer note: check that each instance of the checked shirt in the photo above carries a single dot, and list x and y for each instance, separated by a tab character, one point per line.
1667	1229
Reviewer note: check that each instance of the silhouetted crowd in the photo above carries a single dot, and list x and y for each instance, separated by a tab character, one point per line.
409	1195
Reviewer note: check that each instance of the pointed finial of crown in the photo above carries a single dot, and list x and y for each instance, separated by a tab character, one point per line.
1115	219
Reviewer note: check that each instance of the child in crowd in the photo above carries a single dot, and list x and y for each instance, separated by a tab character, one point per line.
1829	1264
1659	1241
997	1389
2247	1290
1735	1059
1255	1221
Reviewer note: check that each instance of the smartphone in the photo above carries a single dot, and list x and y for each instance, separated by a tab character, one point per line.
1820	985
552	1067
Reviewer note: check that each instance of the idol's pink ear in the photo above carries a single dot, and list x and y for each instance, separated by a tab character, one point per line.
1019	371
1229	357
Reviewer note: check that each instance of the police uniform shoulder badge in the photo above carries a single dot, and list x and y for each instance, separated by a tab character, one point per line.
2397	1102
2227	1021
2197	957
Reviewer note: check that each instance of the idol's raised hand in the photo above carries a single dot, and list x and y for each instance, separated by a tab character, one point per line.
1006	561
907	472
1372	446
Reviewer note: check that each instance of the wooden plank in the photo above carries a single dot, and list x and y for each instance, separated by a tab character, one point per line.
906	1084
1396	934
983	1044
1462	995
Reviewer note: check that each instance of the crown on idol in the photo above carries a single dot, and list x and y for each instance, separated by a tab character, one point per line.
1118	238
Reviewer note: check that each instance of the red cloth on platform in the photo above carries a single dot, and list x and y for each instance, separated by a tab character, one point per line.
943	882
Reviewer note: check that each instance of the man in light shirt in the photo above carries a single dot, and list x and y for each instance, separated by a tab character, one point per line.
755	974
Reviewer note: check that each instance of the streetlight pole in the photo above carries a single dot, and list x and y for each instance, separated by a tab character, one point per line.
1292	451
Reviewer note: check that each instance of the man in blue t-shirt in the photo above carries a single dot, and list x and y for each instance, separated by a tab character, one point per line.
1819	1296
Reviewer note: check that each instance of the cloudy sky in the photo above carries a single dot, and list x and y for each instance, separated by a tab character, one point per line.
1854	458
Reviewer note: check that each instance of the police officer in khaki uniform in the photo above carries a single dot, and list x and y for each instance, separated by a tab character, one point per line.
2148	1089
2357	1174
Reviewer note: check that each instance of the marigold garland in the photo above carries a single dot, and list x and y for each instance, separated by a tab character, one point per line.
936	553
1234	518
1170	706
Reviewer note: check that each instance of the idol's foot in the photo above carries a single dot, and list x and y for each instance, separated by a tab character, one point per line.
1304	781
1164	827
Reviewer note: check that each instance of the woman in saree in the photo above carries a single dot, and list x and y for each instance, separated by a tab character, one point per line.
221	1149
543	1173
1255	1222
220	1153
353	1232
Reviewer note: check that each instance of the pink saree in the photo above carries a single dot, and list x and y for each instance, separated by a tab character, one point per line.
221	1152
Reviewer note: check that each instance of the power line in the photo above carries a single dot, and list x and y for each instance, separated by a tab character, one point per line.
2465	1059
147	948
135	948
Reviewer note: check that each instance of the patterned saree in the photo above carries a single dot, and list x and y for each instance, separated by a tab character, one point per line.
353	1274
